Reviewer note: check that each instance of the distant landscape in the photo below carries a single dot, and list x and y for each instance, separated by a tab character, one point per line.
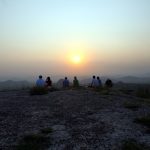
84	81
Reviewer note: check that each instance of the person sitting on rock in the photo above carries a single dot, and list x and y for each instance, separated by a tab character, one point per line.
48	82
108	83
94	82
99	82
40	82
75	82
66	83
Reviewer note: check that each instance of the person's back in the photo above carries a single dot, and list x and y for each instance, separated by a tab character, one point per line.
40	82
48	82
108	83
66	82
75	82
99	82
94	82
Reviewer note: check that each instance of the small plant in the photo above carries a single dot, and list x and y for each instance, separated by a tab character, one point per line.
104	91
38	91
52	89
143	120
143	92
131	144
126	91
33	142
46	130
131	105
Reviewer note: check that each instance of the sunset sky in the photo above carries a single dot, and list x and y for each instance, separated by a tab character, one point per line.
74	37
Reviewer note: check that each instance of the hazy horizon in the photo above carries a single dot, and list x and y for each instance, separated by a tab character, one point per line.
67	38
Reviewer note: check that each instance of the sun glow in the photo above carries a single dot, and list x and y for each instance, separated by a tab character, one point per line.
77	54
76	59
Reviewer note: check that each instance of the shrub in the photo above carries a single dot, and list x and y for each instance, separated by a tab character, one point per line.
33	142
126	91
46	130
104	90
38	91
131	144
143	120
143	92
52	89
131	105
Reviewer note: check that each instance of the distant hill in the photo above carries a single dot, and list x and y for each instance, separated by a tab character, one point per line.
125	79
88	81
133	79
14	85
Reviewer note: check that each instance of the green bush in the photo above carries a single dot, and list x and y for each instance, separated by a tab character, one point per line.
131	105
33	142
143	92
104	90
38	91
131	144
46	130
143	120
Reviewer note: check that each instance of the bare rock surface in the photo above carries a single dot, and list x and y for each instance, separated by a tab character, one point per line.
80	119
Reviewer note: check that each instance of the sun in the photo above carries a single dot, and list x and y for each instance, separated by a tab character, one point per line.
76	59
75	56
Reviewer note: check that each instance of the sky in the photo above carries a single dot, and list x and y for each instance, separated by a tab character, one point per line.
109	37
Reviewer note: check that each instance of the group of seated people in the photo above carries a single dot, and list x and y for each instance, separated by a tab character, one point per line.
96	82
48	83
41	83
66	82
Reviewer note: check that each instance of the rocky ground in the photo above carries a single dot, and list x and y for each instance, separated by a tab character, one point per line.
79	119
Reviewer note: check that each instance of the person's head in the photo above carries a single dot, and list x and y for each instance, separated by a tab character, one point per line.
40	76
65	78
98	78
93	77
75	77
48	78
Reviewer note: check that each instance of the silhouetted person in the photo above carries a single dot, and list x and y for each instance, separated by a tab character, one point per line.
66	83
40	82
108	83
94	82
48	82
75	82
99	82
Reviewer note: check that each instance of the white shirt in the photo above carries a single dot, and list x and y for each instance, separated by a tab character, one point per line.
94	83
